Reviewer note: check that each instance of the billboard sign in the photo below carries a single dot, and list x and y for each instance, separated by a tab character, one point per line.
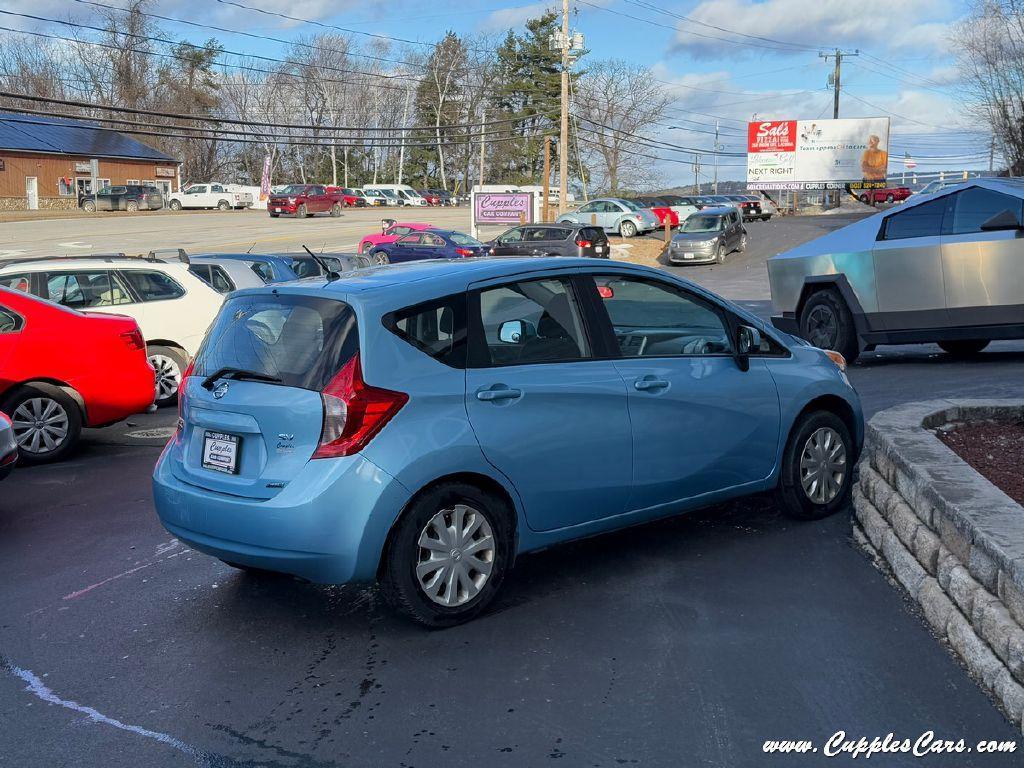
818	154
502	207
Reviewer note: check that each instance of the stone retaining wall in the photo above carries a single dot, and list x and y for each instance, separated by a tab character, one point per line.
45	203
952	539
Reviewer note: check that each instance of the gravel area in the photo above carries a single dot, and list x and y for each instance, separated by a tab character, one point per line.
995	449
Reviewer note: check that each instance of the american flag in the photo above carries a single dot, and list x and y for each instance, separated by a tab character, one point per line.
908	161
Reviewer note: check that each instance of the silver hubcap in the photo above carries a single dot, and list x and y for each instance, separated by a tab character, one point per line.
456	555
168	376
380	258
40	425
823	465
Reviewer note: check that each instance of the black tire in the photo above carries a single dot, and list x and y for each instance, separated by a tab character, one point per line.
399	582
302	212
131	206
790	494
89	205
274	215
766	218
826	322
169	362
865	199
743	243
41	399
963	347
627	229
174	205
223	205
720	253
380	257
336	210
890	198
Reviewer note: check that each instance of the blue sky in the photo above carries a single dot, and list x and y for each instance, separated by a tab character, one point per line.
724	59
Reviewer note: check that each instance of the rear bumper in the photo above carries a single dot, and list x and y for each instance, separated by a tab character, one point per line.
328	525
134	393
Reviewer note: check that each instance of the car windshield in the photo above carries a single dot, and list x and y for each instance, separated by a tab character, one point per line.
388	193
293	189
633	206
460	239
701	224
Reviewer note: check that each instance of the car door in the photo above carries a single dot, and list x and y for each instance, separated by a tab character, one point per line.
983	271
321	201
510	243
700	425
907	257
407	248
548	414
11	324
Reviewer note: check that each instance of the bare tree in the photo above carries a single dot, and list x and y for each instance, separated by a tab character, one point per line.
617	102
990	45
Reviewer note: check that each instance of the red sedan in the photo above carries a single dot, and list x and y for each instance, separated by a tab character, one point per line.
61	370
661	209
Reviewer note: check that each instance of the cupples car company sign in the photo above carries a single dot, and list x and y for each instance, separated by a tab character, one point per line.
502	207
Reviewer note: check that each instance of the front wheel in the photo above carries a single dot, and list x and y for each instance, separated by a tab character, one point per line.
743	243
89	205
865	199
302	212
448	555
336	210
169	364
174	205
964	347
46	422
131	206
816	467
627	229
720	253
890	198
379	257
827	323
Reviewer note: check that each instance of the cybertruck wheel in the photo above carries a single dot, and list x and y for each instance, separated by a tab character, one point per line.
448	555
964	348
826	322
816	467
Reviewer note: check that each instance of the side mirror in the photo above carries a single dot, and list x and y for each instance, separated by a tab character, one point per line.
748	340
1004	220
516	331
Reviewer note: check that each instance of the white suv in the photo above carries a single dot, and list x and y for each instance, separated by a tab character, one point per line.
172	306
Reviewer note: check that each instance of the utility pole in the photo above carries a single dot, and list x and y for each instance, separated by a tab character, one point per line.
483	114
405	118
563	139
716	157
546	188
836	84
696	174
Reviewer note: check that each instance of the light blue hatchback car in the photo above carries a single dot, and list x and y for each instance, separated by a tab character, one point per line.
422	424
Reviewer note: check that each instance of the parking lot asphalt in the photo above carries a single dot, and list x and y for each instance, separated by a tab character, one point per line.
686	642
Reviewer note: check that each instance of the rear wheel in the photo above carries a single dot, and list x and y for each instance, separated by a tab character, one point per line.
890	198
224	205
336	210
131	206
816	467
46	422
89	205
174	205
627	229
448	554
865	199
380	257
964	348
826	322
169	364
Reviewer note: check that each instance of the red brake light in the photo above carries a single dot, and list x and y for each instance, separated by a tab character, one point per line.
354	412
584	243
133	339
605	292
463	251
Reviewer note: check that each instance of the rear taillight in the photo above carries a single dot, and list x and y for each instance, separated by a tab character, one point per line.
584	243
133	339
464	251
180	426
354	412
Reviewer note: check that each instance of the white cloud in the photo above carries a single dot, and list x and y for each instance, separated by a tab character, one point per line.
514	17
878	25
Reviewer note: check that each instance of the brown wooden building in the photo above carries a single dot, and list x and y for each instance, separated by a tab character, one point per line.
47	162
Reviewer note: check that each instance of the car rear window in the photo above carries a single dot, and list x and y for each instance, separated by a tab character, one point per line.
593	234
301	340
437	328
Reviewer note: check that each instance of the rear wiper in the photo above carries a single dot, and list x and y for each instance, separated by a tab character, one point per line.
237	373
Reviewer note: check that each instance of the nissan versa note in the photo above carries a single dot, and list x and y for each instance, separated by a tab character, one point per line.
422	424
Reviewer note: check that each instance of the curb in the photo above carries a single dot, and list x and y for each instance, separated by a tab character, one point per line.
952	539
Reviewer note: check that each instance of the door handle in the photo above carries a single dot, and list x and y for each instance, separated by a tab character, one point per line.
498	392
648	383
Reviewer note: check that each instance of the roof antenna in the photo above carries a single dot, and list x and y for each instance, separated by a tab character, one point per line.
324	265
251	247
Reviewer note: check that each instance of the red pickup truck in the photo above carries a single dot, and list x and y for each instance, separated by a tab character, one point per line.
304	200
891	195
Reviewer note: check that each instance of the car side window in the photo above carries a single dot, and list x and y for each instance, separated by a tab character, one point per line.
153	286
219	279
263	270
431	240
414	239
399	230
527	322
437	328
216	188
10	321
86	289
924	220
513	235
591	208
21	281
653	319
974	206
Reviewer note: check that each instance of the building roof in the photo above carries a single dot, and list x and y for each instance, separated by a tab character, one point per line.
50	135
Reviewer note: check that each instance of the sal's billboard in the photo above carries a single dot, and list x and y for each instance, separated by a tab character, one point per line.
818	154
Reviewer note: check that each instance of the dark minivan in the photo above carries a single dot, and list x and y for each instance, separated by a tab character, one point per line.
552	240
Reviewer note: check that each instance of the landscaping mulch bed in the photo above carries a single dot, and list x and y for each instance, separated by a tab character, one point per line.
995	449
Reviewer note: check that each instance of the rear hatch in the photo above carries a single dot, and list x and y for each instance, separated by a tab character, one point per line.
252	411
593	242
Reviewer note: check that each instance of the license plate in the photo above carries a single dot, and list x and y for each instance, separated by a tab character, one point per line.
277	210
687	255
220	452
599	249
